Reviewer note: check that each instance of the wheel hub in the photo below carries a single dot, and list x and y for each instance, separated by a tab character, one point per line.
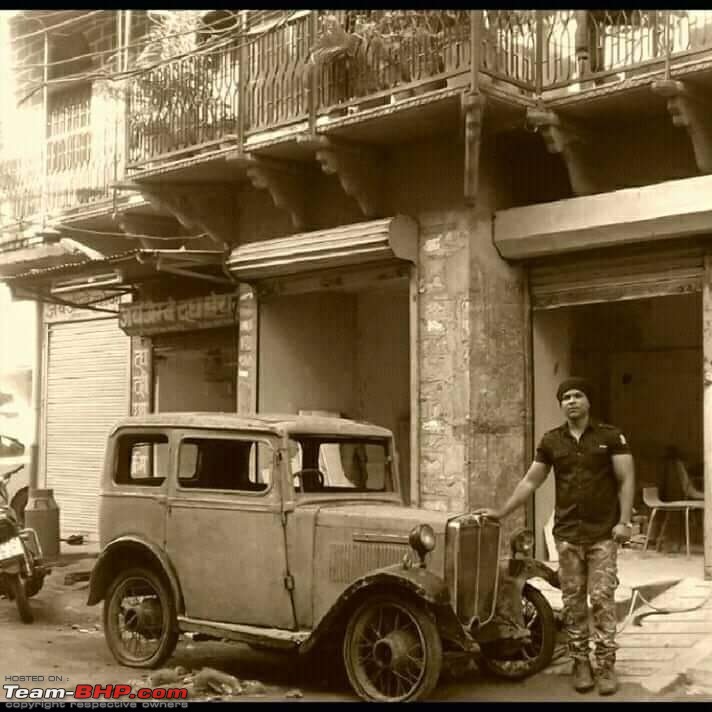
392	651
143	618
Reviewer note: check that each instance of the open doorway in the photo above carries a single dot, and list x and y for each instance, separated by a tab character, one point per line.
644	358
343	352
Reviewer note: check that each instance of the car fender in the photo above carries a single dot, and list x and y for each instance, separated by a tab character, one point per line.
416	581
118	554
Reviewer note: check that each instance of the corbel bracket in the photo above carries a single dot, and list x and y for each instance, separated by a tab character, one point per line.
572	142
691	110
473	109
148	226
360	171
285	181
198	209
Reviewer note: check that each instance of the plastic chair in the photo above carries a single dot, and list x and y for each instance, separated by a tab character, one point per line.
652	500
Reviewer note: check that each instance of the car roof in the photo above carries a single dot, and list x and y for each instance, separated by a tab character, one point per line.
278	423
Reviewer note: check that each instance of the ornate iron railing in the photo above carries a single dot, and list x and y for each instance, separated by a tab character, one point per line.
266	76
276	80
394	51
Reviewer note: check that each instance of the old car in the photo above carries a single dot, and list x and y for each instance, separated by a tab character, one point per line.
290	532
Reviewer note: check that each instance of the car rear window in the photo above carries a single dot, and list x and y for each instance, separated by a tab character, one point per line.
142	459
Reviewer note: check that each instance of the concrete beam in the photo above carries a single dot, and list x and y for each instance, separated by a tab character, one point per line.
667	210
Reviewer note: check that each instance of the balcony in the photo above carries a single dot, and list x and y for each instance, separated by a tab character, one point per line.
73	169
272	81
269	80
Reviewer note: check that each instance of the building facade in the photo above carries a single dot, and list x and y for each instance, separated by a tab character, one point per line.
294	211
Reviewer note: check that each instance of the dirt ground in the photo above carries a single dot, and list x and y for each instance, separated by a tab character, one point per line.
66	641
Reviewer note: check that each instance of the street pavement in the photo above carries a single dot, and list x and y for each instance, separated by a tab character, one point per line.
662	656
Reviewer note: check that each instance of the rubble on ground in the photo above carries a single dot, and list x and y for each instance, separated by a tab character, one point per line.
206	684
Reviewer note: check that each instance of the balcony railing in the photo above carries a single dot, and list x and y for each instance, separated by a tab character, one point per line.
267	78
270	81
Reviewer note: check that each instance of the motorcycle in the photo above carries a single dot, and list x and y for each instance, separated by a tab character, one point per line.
22	570
520	639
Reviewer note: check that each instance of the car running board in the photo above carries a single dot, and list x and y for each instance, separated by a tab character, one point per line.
269	637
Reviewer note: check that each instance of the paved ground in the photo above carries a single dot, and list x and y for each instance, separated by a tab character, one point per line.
668	656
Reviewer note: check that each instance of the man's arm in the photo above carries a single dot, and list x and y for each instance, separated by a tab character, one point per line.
534	478
625	474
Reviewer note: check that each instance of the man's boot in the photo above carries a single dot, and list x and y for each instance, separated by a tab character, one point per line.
607	680
583	675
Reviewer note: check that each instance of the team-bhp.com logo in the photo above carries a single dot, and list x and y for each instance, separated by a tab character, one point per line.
95	692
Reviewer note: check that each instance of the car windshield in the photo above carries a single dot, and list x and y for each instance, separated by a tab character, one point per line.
331	464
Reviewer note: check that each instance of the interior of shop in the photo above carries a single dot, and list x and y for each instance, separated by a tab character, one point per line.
644	358
343	353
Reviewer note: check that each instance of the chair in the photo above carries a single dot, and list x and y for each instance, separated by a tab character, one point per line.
652	500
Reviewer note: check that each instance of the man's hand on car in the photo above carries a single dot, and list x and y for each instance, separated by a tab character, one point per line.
489	513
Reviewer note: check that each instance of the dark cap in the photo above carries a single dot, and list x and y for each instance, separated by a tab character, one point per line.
575	383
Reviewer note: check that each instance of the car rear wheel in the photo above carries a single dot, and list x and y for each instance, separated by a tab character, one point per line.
392	650
537	654
140	619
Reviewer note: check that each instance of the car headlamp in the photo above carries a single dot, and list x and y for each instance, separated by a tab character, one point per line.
422	540
522	542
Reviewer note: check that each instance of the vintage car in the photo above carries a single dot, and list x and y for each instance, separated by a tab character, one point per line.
290	532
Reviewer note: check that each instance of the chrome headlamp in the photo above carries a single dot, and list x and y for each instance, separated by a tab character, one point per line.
422	541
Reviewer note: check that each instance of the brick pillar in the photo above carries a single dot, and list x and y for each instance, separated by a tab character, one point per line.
473	336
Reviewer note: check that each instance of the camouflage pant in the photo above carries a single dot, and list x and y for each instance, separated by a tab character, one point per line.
589	569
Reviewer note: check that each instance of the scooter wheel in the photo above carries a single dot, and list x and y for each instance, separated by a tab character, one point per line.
20	595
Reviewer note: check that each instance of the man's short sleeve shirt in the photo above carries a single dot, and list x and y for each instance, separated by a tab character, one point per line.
587	506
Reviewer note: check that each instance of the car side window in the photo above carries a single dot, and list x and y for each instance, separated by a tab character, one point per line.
225	464
142	459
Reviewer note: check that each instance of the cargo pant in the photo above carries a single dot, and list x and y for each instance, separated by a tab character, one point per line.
589	569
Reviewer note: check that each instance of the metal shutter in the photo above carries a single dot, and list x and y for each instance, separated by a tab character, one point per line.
87	390
624	273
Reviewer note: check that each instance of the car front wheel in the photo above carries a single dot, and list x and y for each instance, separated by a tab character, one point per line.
537	654
140	619
392	650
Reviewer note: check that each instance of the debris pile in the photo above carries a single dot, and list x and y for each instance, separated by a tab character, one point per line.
206	684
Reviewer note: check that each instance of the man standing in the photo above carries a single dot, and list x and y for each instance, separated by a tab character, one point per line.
595	484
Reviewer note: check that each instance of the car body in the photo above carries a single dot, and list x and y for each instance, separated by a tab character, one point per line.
289	532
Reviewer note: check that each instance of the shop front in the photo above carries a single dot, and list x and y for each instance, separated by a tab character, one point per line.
334	324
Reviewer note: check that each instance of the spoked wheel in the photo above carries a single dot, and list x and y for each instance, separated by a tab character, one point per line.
392	650
537	654
140	619
19	593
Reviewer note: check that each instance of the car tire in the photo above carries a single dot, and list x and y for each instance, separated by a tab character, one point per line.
392	650
140	602
539	617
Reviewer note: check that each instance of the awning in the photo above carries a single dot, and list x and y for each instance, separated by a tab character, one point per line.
666	211
346	245
116	273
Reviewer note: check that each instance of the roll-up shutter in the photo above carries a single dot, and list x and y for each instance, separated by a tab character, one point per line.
585	278
87	390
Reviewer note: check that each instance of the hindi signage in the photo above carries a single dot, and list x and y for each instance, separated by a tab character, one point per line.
144	318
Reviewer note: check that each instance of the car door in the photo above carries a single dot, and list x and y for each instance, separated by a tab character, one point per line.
224	529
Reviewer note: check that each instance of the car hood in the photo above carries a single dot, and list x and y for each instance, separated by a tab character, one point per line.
378	518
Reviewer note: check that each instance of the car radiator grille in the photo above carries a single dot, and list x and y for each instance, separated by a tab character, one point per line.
471	567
